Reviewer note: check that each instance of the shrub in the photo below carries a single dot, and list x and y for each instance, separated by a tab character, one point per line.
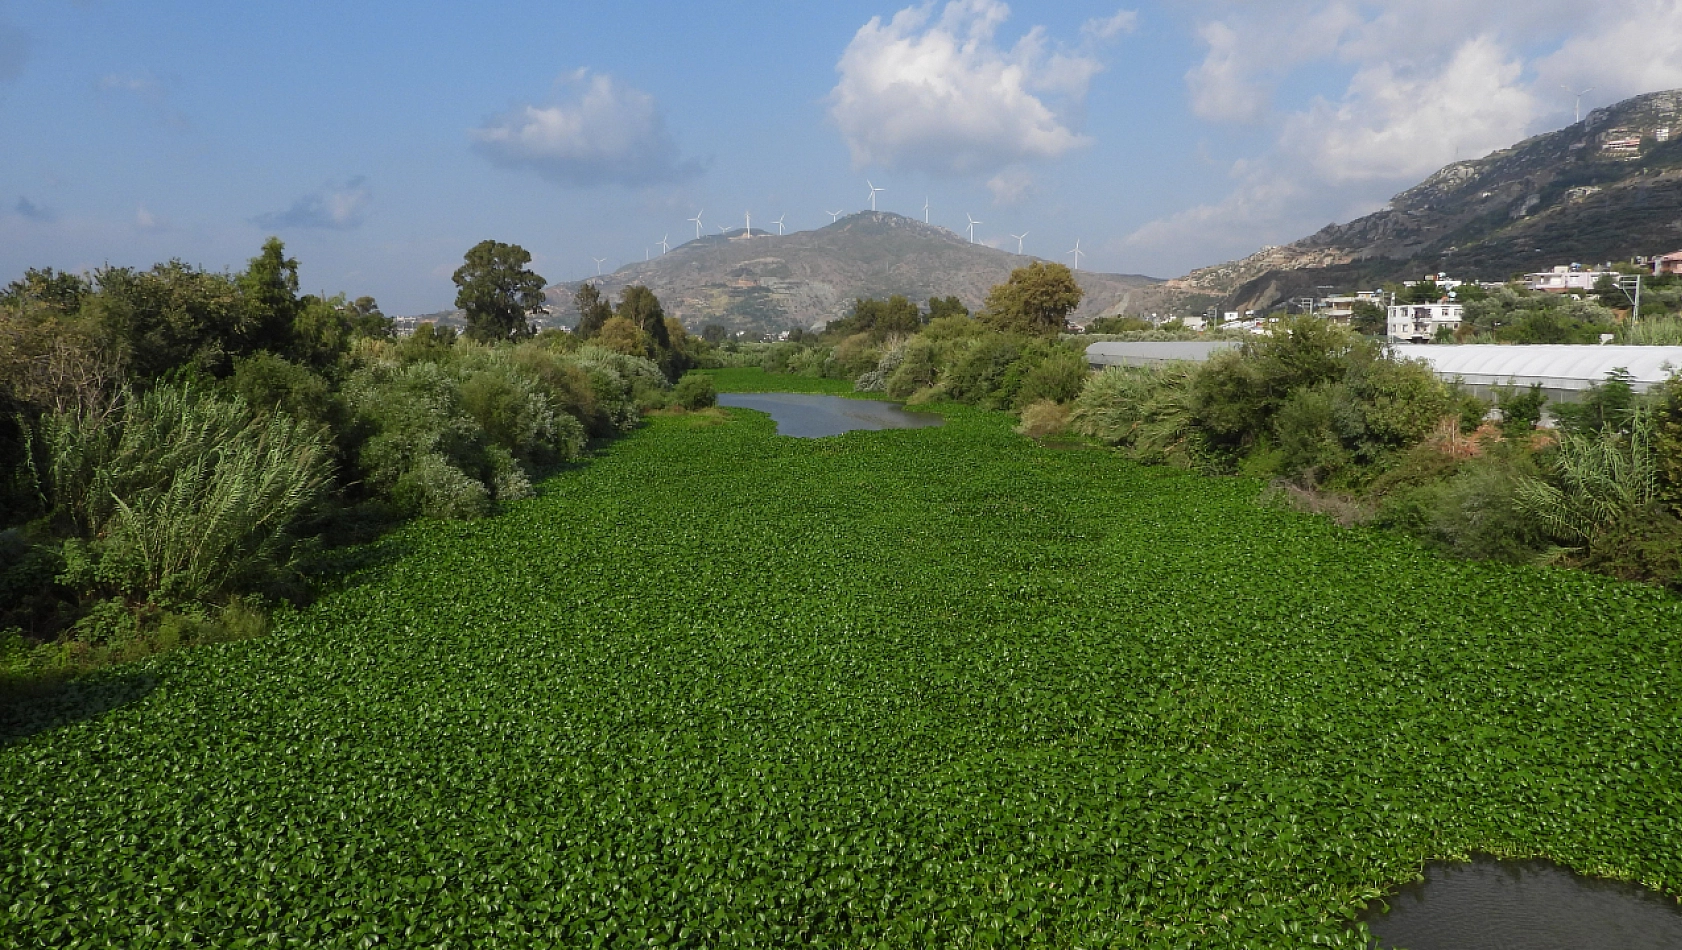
696	391
919	367
182	495
1044	418
1058	378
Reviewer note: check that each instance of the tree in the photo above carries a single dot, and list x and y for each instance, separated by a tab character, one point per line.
593	311
497	292
713	333
639	306
946	307
270	288
622	336
1035	301
1368	318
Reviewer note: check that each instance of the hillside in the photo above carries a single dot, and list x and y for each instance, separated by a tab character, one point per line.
1604	189
765	282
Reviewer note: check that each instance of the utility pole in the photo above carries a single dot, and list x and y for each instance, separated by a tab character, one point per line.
1635	301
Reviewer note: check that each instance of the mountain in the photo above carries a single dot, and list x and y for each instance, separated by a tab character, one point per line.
1607	188
765	282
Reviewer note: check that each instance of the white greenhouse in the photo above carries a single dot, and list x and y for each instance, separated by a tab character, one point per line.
1563	372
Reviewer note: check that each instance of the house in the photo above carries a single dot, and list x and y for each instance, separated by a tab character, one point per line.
1563	279
1419	322
1668	264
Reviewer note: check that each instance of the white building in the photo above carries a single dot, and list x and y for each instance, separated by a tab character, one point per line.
1419	322
1564	279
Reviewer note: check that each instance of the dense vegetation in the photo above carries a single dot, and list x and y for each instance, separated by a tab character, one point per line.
1337	423
935	687
181	449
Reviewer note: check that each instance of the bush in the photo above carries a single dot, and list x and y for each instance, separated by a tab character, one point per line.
696	391
1044	418
1058	378
180	495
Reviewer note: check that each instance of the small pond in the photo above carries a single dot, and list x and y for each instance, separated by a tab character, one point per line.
1505	905
813	417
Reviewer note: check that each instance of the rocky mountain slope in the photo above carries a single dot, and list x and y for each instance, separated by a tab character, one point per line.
766	283
1604	189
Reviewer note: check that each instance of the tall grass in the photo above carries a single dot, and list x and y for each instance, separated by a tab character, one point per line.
1603	476
182	494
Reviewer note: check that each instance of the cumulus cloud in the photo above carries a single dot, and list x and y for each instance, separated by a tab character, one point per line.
604	133
1415	85
939	94
335	206
1011	186
30	210
1394	122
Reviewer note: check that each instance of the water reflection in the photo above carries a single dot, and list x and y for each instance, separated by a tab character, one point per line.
1534	905
813	417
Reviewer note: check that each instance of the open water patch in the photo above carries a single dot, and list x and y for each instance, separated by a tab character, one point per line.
808	416
1534	905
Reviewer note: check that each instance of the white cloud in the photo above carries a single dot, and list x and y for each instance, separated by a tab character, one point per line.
147	221
938	94
1108	28
607	133
1396	122
1413	85
335	207
1011	186
1638	52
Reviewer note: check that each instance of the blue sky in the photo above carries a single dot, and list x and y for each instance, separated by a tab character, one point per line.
380	141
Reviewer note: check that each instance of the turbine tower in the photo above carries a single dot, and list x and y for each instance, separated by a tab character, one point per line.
873	191
972	224
1019	238
749	229
1579	96
664	247
1077	253
697	220
925	209
599	262
834	216
779	224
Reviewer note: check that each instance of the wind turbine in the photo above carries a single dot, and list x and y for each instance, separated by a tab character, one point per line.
972	224
722	229
834	216
779	224
749	229
664	247
599	262
1579	96
873	191
1019	238
697	220
1077	253
925	209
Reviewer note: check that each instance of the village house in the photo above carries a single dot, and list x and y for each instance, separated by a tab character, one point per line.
1563	279
1419	322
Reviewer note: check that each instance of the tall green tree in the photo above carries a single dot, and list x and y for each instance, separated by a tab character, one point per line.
593	311
1035	301
642	308
269	287
497	292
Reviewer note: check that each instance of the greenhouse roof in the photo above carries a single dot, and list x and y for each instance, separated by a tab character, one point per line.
1139	354
1553	367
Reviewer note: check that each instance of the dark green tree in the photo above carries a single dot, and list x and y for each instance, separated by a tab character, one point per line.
1368	318
713	333
44	287
497	292
642	308
269	287
946	307
1035	301
593	311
